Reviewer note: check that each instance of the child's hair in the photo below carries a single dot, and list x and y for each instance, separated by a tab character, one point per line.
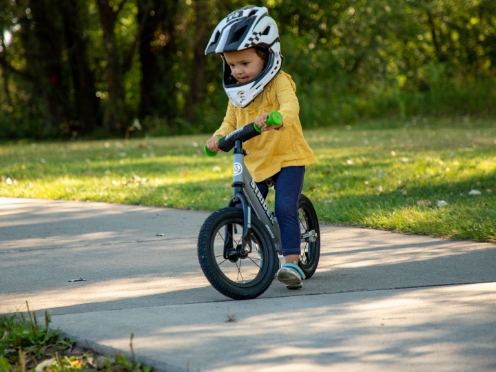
262	53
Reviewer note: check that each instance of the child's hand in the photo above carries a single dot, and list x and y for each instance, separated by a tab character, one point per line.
260	122
213	144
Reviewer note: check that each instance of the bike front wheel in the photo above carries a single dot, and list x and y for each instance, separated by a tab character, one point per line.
310	236
232	272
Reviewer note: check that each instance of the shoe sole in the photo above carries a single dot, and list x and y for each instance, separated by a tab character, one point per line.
289	278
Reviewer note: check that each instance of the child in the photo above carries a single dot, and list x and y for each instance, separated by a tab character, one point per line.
248	42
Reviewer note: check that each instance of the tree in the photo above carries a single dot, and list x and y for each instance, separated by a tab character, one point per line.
86	103
197	75
157	50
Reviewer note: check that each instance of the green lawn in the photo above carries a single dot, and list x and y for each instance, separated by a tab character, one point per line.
380	174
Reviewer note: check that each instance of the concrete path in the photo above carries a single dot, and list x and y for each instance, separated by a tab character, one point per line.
379	300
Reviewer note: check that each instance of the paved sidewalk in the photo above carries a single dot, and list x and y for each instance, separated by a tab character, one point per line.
379	300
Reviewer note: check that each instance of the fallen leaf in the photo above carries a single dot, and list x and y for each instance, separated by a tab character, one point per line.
441	203
423	203
45	364
77	280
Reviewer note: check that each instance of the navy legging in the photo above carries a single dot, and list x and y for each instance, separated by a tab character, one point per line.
289	183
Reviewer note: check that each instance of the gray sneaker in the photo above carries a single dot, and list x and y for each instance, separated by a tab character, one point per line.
291	275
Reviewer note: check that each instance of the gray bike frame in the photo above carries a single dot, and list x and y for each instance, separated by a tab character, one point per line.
247	193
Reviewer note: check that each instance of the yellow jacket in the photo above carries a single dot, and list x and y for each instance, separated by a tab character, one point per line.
275	149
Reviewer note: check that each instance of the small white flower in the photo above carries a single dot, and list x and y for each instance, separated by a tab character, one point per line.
441	203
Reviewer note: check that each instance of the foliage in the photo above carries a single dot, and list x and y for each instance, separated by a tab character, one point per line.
385	174
25	345
109	62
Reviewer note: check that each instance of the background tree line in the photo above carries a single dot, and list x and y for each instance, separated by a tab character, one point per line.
96	68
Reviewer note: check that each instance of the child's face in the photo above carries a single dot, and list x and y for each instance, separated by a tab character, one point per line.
245	64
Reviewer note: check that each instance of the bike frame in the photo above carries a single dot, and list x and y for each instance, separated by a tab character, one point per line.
247	193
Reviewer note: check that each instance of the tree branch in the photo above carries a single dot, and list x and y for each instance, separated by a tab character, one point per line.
130	54
8	67
120	6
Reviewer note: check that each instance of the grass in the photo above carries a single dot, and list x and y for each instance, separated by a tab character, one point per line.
25	345
382	174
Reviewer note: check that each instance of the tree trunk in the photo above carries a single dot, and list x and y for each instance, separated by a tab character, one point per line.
197	81
44	59
158	54
439	54
83	78
117	119
5	78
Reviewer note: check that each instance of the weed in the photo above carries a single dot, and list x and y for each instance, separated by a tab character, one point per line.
230	316
26	346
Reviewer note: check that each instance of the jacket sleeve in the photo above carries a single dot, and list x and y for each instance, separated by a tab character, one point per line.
286	96
229	122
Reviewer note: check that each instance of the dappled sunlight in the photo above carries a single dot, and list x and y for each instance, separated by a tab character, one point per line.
350	329
61	240
366	249
95	293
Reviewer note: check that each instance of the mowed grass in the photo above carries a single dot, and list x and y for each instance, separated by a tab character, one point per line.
421	176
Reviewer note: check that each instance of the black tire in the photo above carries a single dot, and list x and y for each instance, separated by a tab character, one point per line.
310	232
251	274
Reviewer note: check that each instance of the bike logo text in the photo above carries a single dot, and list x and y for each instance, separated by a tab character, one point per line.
261	199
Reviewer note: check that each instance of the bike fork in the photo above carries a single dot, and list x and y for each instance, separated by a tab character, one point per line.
245	247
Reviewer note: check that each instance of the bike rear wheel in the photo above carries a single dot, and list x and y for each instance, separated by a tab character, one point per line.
310	236
233	273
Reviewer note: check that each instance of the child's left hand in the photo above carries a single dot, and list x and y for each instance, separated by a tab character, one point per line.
260	122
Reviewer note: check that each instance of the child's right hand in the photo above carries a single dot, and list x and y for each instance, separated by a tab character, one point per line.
213	144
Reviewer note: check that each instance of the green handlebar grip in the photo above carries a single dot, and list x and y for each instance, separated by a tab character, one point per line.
207	151
275	118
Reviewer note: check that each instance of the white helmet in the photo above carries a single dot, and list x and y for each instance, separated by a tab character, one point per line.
242	29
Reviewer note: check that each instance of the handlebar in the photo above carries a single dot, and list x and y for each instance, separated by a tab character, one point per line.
244	134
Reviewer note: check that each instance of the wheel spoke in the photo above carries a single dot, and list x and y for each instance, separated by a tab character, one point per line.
239	272
252	260
223	259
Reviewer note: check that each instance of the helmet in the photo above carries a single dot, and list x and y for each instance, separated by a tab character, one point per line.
245	28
